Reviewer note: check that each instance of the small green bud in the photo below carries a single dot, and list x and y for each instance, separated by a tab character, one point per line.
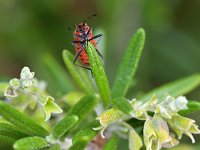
109	116
15	83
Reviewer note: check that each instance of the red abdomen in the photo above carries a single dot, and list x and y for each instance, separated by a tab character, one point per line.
80	35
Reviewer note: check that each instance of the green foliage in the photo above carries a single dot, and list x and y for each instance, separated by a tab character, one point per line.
122	104
83	107
3	87
77	73
54	147
64	125
193	106
21	121
30	143
58	74
79	145
87	133
128	64
9	133
83	121
99	74
112	143
175	88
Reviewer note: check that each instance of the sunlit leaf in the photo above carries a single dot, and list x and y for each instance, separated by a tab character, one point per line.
78	74
128	64
64	125
193	106
175	88
87	132
30	143
21	121
99	74
122	104
60	78
3	87
112	144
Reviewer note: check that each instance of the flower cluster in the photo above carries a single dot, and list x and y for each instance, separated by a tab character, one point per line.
156	131
28	92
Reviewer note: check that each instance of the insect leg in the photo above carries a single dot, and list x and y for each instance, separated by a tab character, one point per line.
100	37
94	37
75	59
78	42
101	56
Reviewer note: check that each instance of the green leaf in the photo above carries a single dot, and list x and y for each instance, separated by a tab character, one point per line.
99	74
57	74
87	133
80	145
193	106
128	65
175	88
64	125
112	144
123	104
83	107
3	87
10	133
21	121
55	147
78	74
7	139
30	143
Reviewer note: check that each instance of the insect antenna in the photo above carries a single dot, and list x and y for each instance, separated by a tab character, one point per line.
74	25
69	28
89	17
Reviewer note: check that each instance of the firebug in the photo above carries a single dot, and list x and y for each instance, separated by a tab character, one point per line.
82	35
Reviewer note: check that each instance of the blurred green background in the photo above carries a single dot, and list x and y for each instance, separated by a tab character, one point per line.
31	30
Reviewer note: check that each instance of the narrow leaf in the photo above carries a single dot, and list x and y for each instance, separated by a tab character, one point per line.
21	121
83	107
112	144
122	104
7	139
128	65
193	106
80	145
3	87
64	125
30	143
10	131
175	88
55	147
58	74
87	132
78	74
99	74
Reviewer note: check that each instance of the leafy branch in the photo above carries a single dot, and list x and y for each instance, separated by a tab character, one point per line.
76	121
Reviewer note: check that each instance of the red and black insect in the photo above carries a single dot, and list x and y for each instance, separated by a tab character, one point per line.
82	35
